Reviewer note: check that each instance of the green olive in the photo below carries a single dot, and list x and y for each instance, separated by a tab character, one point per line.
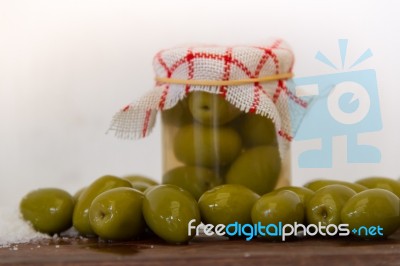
49	210
116	214
256	130
193	179
326	204
220	174
140	182
381	182
257	169
211	109
227	204
206	146
273	208
168	210
80	216
78	193
373	213
304	193
178	115
320	183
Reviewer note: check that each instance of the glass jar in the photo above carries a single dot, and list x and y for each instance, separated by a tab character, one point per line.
207	141
227	115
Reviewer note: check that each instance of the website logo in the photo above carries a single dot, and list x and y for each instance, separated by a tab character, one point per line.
344	103
280	230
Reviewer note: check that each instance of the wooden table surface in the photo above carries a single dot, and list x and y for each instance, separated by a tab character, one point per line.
205	251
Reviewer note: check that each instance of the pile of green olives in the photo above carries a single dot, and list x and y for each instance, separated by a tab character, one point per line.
222	166
209	142
135	207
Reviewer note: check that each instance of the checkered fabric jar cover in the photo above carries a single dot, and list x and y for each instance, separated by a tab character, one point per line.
219	63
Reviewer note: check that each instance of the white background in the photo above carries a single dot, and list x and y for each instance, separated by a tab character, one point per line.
67	66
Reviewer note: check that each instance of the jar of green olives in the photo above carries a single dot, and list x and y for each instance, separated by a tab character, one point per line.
225	115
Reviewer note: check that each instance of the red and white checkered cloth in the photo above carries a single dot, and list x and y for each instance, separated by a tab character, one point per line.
271	99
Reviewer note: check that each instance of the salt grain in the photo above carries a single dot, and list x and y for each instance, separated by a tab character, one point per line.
14	230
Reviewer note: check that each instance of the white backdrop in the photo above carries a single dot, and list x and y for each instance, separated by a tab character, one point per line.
67	66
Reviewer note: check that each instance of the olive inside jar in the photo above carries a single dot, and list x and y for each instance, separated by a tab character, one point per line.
225	116
207	141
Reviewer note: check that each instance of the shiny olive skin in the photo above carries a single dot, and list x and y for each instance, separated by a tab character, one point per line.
256	130
284	206
227	204
372	207
381	182
206	146
167	210
80	217
320	183
116	214
326	204
49	210
178	115
140	182
193	179
211	109
257	169
304	193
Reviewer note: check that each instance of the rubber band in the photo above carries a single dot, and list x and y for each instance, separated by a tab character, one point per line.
224	82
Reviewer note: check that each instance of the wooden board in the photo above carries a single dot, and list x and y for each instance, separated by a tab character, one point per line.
205	251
